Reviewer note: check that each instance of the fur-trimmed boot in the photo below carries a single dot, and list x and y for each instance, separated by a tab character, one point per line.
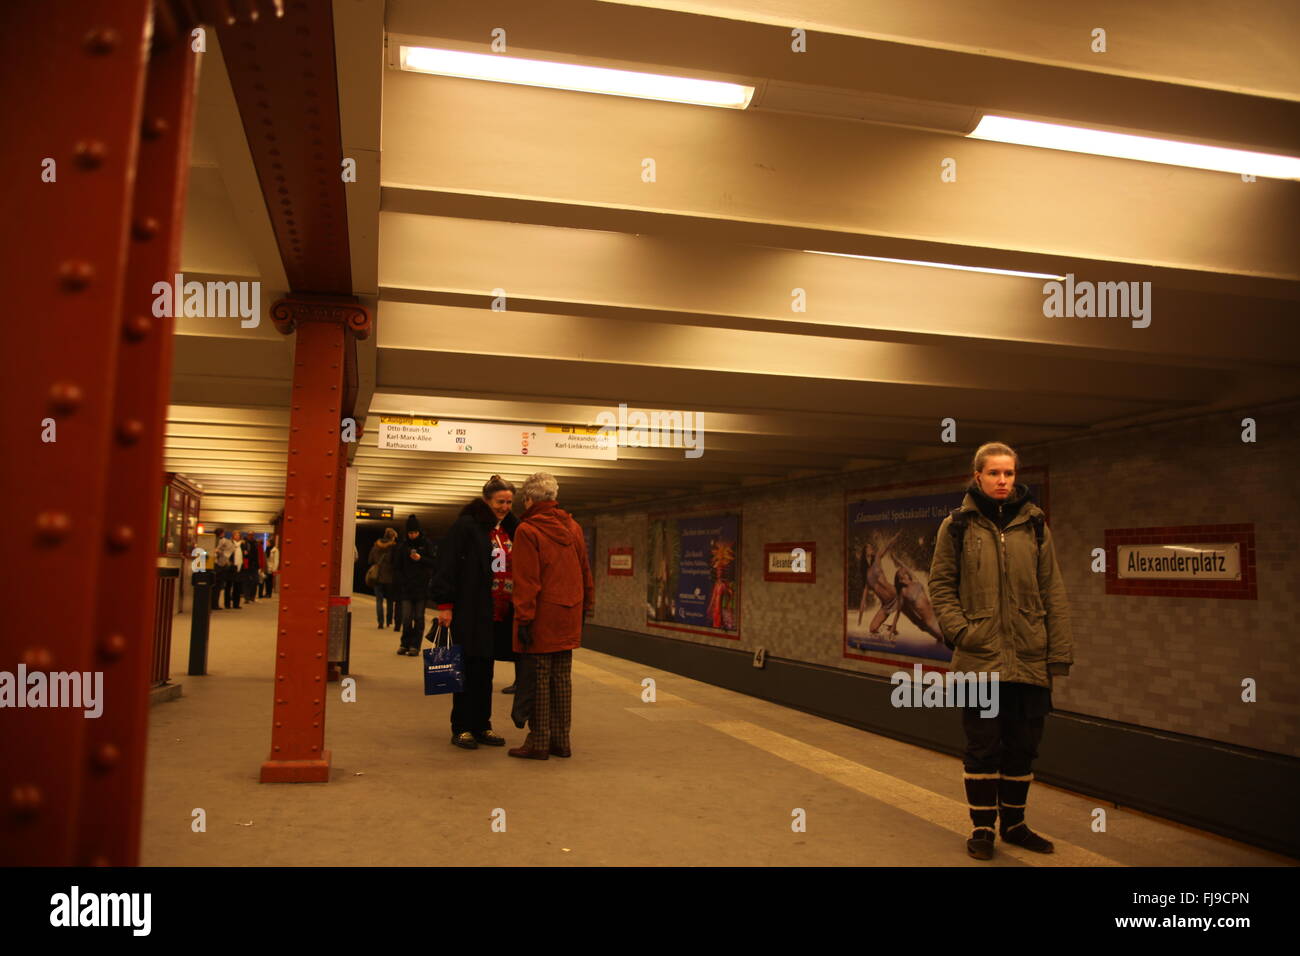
1013	793
982	800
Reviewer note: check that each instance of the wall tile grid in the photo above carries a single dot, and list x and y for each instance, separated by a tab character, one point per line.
1167	663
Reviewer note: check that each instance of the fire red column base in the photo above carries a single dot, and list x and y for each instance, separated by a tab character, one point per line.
297	771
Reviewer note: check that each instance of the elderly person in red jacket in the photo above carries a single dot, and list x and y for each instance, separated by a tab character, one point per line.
552	590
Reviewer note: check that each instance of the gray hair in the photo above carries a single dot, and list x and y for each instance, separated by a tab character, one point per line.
541	486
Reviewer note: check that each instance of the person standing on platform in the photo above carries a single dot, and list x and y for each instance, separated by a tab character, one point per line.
235	582
553	588
223	567
413	565
252	564
999	596
272	568
472	588
381	556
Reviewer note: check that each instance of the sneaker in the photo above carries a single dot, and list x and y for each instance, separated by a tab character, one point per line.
980	845
491	738
1021	835
465	740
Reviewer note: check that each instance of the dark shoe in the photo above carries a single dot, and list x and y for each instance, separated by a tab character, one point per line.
508	690
557	752
980	845
401	650
412	652
465	740
528	753
491	738
1021	835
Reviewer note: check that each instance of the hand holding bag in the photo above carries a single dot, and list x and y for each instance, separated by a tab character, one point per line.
444	665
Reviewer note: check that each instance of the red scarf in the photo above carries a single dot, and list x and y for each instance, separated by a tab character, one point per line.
502	582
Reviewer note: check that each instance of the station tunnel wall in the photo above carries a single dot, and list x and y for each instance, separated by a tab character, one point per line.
1164	663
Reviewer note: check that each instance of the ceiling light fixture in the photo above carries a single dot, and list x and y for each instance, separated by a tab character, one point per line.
1147	149
571	76
940	265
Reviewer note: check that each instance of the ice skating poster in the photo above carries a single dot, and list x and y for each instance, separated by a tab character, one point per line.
693	574
889	545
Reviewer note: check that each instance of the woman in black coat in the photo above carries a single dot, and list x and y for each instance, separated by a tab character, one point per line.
472	584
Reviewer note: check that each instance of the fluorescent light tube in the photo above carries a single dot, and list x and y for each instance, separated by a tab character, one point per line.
940	265
570	76
1003	129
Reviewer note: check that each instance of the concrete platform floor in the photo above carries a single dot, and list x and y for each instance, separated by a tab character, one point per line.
701	777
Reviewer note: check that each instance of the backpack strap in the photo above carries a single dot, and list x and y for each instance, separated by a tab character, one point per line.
1038	524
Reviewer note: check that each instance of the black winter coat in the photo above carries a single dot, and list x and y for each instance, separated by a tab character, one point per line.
464	580
410	576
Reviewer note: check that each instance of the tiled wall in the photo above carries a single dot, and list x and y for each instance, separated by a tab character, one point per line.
1168	663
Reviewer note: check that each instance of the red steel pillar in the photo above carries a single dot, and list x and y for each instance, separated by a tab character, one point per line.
112	795
72	74
327	328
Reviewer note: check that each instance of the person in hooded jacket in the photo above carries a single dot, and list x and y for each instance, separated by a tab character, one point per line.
472	590
1002	606
413	565
553	588
381	555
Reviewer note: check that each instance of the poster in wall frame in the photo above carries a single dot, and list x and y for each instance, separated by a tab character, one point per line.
693	573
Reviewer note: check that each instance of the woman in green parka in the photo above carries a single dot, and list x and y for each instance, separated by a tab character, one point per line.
1002	607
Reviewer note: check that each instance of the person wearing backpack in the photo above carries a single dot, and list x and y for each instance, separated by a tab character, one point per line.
1001	603
381	563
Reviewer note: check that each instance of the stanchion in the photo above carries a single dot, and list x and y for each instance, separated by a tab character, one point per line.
202	582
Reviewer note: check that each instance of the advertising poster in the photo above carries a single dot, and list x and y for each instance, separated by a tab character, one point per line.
693	574
889	545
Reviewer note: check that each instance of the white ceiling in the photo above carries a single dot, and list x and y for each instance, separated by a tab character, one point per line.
676	294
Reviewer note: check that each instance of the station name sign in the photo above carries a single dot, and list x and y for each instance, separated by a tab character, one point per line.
1180	562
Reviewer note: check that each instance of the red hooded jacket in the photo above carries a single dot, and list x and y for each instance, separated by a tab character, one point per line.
552	579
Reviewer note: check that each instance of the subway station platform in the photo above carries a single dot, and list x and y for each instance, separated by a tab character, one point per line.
701	777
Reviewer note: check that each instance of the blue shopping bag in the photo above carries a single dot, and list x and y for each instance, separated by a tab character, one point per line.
444	665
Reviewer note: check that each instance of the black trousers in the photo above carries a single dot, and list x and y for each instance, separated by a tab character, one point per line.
1008	743
234	587
471	709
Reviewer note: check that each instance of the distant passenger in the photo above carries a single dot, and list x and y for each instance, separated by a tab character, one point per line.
222	567
1002	607
413	566
381	556
234	578
553	588
272	569
472	591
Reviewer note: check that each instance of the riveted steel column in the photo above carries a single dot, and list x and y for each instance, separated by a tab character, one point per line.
326	329
113	792
72	74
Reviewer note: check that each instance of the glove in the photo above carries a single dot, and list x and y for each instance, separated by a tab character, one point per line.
525	632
